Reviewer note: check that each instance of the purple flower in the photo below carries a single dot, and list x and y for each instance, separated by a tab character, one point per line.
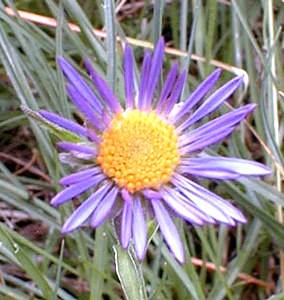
144	152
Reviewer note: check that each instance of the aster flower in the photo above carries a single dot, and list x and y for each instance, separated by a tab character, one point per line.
140	155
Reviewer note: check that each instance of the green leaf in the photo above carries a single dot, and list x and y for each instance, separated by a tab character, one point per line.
267	191
129	274
13	189
26	263
277	297
179	271
100	262
110	42
275	228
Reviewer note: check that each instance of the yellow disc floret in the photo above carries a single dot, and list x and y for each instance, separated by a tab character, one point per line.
139	150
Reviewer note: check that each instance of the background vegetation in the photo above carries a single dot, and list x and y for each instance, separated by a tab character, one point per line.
35	261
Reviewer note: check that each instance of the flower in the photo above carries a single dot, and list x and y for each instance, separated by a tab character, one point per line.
139	158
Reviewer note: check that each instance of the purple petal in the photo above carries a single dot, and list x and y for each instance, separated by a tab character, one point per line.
176	92
84	107
144	79
152	195
64	123
168	86
82	213
129	76
93	136
213	102
77	81
168	230
67	146
75	190
206	140
79	176
83	156
139	229
232	211
104	208
207	207
213	127
210	197
184	210
103	89
126	219
198	94
208	172
155	71
224	167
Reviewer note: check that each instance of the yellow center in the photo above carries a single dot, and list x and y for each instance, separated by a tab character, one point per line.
139	150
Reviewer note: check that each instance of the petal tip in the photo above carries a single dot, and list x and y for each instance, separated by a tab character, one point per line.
62	146
89	68
179	254
60	59
66	230
62	182
54	202
250	108
266	171
217	72
161	40
241	218
180	258
127	47
44	112
239	79
124	244
140	254
63	63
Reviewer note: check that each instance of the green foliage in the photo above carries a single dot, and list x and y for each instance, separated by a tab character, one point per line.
242	34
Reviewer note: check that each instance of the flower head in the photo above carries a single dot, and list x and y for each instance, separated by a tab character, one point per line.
148	150
139	150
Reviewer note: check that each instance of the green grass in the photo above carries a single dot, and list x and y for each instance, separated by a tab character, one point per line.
87	265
